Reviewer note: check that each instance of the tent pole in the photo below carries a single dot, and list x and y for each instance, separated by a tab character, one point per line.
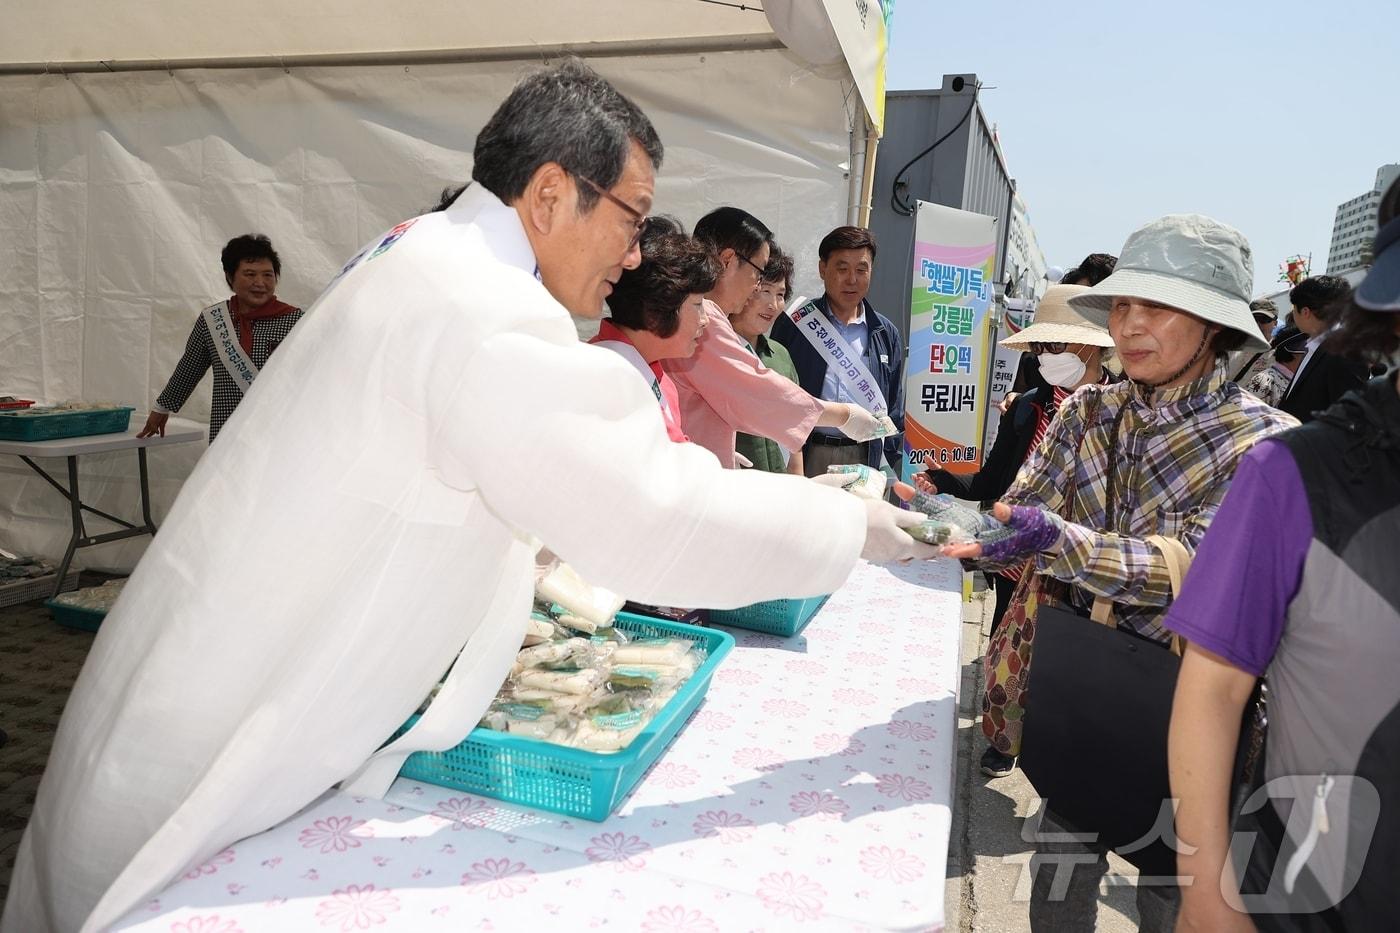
533	53
855	177
867	187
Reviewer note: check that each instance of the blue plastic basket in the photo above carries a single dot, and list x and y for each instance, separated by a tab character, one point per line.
784	617
38	424
89	620
583	784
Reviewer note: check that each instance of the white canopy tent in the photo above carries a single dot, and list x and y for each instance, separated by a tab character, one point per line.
135	140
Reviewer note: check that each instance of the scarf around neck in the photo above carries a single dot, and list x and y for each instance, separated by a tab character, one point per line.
243	318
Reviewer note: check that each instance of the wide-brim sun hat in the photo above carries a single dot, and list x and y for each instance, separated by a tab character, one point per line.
1056	321
1186	261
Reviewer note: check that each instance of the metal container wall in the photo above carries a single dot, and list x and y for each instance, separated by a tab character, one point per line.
965	171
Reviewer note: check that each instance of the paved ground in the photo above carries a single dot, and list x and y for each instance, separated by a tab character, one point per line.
988	885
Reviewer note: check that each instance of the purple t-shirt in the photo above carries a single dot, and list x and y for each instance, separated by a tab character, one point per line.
1250	563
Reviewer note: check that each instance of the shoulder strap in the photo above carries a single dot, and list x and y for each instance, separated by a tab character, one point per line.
1091	409
1178	562
1177	557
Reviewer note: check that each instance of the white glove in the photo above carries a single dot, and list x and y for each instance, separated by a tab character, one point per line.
885	537
742	462
836	480
857	479
862	426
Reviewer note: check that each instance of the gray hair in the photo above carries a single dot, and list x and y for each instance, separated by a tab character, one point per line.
569	115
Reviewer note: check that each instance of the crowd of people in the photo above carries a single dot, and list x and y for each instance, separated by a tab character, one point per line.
1287	623
1157	420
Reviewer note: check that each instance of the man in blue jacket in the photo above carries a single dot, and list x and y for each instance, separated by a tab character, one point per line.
847	260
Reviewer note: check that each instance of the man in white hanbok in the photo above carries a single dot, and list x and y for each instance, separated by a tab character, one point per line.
374	512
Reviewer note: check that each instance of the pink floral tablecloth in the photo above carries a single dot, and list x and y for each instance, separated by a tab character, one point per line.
812	789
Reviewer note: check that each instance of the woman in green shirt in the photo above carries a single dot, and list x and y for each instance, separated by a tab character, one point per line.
752	323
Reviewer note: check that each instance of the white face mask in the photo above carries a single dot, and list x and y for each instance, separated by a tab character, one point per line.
1061	369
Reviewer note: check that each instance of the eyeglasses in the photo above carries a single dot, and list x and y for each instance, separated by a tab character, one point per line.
639	219
1049	347
753	265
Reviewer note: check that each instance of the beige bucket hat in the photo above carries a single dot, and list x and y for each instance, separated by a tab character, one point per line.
1185	261
1056	321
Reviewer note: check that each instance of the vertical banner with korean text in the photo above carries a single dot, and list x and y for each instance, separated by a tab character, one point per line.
949	349
1015	317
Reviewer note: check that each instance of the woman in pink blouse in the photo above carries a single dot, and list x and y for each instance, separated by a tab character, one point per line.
724	388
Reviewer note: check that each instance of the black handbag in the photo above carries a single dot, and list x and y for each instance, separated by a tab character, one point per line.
1101	694
1094	743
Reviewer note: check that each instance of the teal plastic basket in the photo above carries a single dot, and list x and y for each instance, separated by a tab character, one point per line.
784	617
39	424
89	620
583	784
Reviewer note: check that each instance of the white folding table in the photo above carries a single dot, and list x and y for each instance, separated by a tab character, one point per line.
178	431
813	789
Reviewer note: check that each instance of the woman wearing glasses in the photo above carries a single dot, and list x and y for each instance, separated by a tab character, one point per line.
657	310
725	389
1071	352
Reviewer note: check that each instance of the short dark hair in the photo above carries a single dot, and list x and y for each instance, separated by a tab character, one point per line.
846	238
1227	340
673	266
732	228
779	269
569	115
1363	334
1324	295
1094	269
658	224
249	246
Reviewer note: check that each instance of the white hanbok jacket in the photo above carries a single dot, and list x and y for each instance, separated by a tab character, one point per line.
372	514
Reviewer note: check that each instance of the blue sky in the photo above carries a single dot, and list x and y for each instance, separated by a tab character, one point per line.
1265	115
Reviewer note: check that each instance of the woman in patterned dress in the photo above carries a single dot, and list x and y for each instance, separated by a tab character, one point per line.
261	322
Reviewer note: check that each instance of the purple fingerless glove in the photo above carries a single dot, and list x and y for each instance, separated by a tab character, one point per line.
1029	531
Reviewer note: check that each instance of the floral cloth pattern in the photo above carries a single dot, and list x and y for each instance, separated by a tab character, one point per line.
754	818
357	908
499	878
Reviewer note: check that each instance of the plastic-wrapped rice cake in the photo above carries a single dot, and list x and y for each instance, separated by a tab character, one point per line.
595	693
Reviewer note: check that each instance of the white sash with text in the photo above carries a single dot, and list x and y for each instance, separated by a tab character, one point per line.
840	356
219	320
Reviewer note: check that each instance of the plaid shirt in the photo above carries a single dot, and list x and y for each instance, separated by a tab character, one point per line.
1175	460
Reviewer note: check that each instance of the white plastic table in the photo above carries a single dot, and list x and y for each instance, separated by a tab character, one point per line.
178	431
811	790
